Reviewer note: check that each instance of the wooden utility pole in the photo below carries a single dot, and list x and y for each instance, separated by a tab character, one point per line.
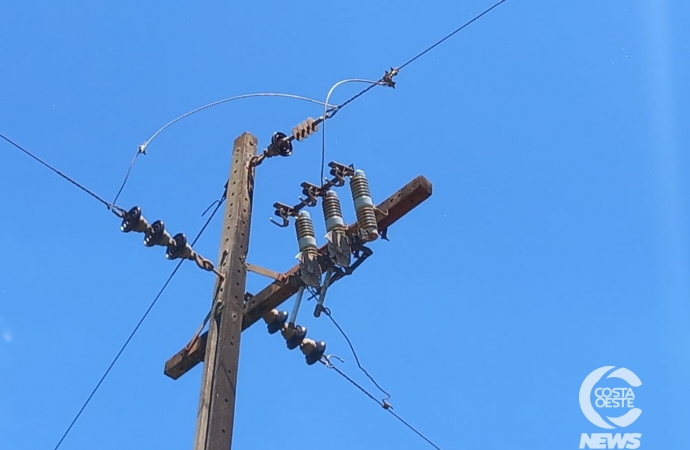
219	383
234	310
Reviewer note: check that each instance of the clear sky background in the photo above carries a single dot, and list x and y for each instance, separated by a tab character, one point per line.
555	241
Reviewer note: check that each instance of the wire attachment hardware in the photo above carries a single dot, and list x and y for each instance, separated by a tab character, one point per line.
312	192
180	249
339	172
283	211
388	77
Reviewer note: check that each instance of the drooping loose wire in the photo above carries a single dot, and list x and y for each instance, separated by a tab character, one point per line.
111	206
136	328
383	404
328	314
325	116
142	148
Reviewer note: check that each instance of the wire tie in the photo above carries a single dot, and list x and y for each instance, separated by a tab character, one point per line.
388	77
326	360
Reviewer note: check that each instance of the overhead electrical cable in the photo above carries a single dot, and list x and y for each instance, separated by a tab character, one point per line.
111	206
141	150
383	404
328	314
387	79
136	328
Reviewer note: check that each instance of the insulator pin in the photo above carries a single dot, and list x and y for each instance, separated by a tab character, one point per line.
364	206
332	212
275	320
313	350
134	221
294	335
156	235
305	233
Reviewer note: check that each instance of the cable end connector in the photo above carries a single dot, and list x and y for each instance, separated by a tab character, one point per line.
388	77
119	212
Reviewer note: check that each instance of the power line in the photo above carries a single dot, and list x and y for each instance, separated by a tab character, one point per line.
136	328
386	80
327	106
141	150
383	404
327	311
451	34
111	206
422	53
325	113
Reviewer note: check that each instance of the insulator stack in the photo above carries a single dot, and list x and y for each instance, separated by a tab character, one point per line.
310	270
133	220
305	233
177	247
338	245
332	212
364	206
294	335
157	235
313	350
180	248
275	320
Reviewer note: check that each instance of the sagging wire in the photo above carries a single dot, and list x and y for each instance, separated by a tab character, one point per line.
314	294
333	111
328	314
141	150
111	206
282	144
326	361
138	325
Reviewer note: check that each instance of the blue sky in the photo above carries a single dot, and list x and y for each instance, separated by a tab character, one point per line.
554	243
